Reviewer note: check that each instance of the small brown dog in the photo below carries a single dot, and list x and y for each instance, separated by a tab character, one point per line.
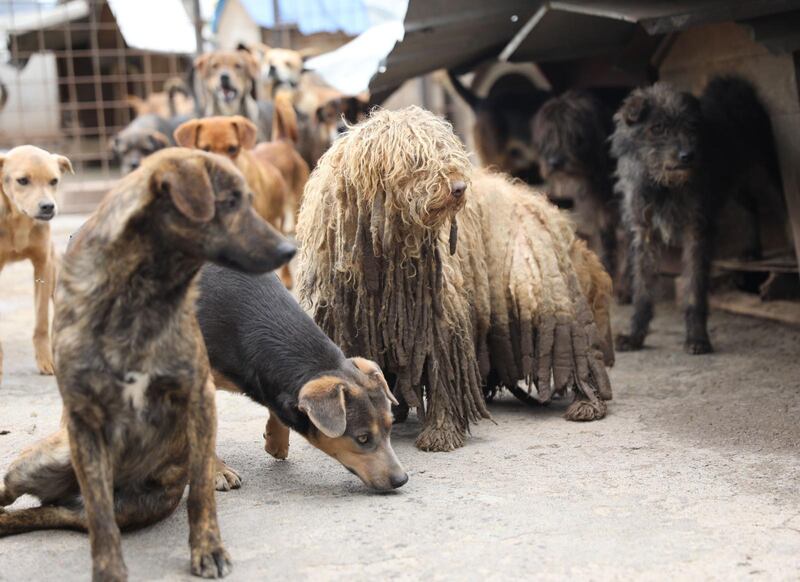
235	137
30	178
282	153
131	363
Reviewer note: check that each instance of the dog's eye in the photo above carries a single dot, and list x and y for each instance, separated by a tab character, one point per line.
207	149
657	129
238	66
233	150
364	438
23	181
233	200
54	182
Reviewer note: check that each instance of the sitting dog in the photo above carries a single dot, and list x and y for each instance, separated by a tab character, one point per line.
680	159
570	134
175	99
132	369
30	178
226	82
502	130
262	343
281	151
234	137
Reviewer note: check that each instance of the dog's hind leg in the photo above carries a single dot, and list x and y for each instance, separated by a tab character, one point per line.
697	266
44	273
43	470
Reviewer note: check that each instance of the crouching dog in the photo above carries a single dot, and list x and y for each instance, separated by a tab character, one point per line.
139	413
262	343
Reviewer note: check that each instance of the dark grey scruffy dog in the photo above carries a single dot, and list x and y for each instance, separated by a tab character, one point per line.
679	160
570	135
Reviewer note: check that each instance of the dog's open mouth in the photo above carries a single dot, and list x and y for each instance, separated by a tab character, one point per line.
228	94
45	216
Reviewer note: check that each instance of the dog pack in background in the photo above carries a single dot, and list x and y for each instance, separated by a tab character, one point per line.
139	403
680	159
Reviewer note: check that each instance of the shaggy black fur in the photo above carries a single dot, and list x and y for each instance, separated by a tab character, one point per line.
680	159
570	138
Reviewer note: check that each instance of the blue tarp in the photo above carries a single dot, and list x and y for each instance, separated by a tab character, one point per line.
310	16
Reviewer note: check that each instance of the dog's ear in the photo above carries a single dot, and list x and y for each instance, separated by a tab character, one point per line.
113	145
323	401
307	53
373	370
634	109
201	62
189	187
186	133
246	130
158	141
250	64
64	165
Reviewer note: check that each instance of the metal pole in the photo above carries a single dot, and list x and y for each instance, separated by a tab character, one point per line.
198	26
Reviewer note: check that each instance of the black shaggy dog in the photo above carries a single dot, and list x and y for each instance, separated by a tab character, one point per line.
570	139
680	159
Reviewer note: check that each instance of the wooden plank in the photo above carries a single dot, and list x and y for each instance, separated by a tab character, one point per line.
787	312
785	264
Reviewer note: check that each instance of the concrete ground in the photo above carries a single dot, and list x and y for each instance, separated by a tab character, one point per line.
694	474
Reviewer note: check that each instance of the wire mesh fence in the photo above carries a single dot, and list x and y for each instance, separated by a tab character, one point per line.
67	79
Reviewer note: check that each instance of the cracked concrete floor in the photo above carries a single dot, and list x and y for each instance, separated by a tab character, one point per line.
695	474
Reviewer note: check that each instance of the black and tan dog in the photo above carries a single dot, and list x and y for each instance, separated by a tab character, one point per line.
132	369
262	343
680	160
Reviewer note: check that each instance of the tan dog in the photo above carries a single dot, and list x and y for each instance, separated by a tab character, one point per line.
30	178
281	152
227	79
234	137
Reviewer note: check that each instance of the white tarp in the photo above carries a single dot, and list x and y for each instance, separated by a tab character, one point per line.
160	26
350	67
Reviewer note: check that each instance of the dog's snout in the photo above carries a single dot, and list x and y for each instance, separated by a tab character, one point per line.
286	251
686	155
134	164
398	481
225	80
555	162
458	188
46	208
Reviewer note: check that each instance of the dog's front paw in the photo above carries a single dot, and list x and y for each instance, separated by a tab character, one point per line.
698	346
584	411
110	572
628	343
226	478
44	361
441	439
211	562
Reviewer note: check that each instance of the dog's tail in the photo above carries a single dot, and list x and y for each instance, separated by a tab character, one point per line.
466	94
173	87
284	119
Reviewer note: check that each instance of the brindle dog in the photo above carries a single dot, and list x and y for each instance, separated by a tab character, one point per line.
680	160
131	365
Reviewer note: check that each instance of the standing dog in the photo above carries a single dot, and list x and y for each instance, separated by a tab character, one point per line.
680	160
131	364
234	137
570	134
262	343
30	178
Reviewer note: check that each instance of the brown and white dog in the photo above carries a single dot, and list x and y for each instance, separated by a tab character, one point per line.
30	178
234	137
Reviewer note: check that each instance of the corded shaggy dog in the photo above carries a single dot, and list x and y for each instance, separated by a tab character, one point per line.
680	160
444	286
140	418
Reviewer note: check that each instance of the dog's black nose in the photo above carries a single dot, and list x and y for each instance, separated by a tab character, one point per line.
457	189
225	79
398	481
286	251
686	156
555	162
134	164
46	207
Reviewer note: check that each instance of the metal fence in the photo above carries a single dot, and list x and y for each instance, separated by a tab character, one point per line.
67	75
